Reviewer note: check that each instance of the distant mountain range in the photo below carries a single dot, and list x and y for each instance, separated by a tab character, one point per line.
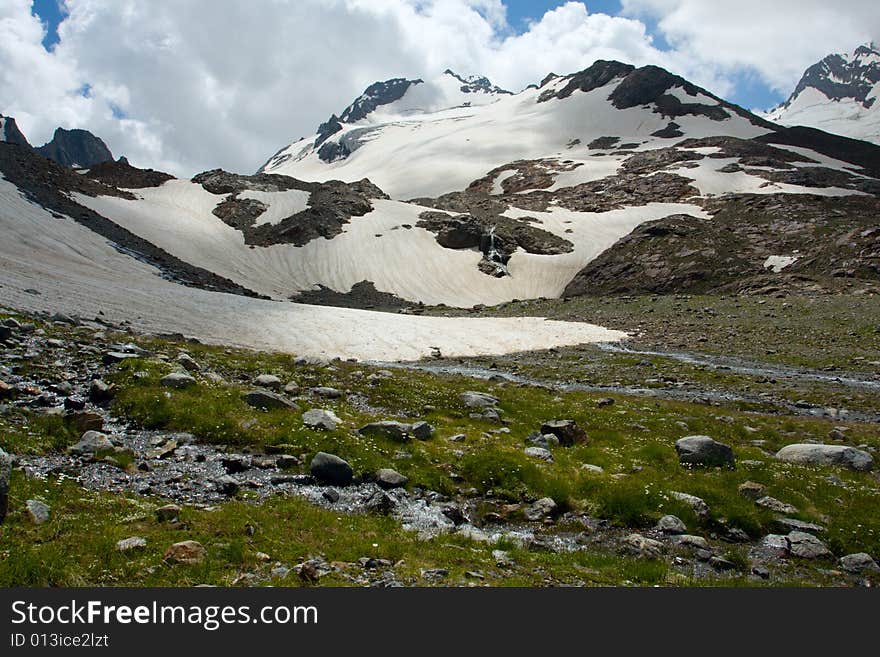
840	94
71	148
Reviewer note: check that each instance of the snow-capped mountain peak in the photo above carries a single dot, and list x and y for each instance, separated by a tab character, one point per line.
838	94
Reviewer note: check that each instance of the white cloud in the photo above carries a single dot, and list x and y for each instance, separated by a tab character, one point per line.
208	83
778	40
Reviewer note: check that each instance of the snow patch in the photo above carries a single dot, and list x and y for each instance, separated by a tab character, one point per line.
778	262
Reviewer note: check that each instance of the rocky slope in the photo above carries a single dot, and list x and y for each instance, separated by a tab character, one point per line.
76	148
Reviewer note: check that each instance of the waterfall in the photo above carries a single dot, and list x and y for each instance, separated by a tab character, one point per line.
494	256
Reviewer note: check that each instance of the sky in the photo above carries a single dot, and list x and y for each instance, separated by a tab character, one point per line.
187	86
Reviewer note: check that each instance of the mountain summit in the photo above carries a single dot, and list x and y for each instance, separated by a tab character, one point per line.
838	94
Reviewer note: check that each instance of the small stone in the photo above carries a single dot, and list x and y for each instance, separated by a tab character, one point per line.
178	381
595	469
859	563
387	478
775	545
691	541
331	495
331	470
227	485
720	563
671	525
185	552
379	503
791	524
286	461
130	544
604	401
704	451
761	571
752	490
322	419
168	513
85	420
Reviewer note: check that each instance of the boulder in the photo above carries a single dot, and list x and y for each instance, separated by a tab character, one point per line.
473	399
697	504
268	381
671	525
178	380
773	504
387	478
38	511
567	431
379	503
396	431
100	392
188	363
327	392
130	544
91	442
646	548
838	455
702	450
319	418
752	490
543	508
268	401
185	552
806	546
422	431
539	453
227	485
331	470
859	563
168	513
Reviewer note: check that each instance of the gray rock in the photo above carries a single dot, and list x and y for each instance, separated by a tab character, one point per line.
178	380
130	544
188	363
387	478
326	392
473	399
331	470
646	548
322	419
702	450
697	504
595	469
91	442
100	392
839	455
539	453
268	381
379	503
227	485
806	546
859	563
268	401
792	525
671	525
5	478
775	545
291	388
567	431
691	541
543	508
115	357
396	431
38	511
773	504
752	490
168	513
422	431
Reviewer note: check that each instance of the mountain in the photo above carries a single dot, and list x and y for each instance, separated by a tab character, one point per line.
839	95
76	148
453	191
10	133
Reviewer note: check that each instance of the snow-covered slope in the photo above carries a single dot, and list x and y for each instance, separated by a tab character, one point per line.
428	142
838	95
50	263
